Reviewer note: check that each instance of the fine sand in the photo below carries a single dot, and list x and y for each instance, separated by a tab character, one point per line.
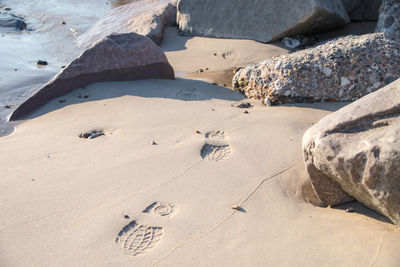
157	189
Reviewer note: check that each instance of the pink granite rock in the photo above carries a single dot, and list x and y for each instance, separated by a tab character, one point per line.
121	57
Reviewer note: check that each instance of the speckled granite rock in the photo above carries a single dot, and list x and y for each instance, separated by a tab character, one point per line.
362	10
145	17
263	21
344	69
389	19
356	152
120	57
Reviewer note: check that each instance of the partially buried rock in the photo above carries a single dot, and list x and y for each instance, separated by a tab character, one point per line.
262	21
121	57
355	152
145	17
343	69
389	19
11	22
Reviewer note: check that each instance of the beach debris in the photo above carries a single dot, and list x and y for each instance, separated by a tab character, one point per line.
92	134
73	31
41	62
238	208
350	210
291	43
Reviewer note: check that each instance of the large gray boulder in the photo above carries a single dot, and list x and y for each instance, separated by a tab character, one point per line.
344	69
121	57
263	21
362	10
356	152
145	17
389	19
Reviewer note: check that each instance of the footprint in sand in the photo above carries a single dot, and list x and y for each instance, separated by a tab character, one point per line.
230	55
215	148
164	209
136	239
92	134
187	94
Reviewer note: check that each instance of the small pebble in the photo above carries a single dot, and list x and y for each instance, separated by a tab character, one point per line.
7	106
86	96
41	62
198	132
61	100
246	112
244	105
154	143
63	22
126	216
350	210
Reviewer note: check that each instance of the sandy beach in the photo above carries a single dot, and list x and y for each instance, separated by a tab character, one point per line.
175	157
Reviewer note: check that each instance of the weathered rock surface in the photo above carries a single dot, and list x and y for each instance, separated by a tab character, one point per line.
389	19
119	57
362	10
344	69
11	22
259	20
356	152
145	17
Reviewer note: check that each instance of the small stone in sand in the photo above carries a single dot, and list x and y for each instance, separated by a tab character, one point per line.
7	9
200	70
154	143
215	54
246	112
15	69
41	62
198	132
7	106
62	67
63	22
237	207
244	105
126	216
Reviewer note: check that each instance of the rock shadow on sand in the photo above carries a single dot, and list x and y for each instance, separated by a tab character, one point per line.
178	89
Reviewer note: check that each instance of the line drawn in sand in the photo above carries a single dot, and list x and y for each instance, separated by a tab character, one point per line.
135	239
161	209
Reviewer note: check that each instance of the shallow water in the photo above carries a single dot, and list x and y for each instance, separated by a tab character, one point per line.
53	26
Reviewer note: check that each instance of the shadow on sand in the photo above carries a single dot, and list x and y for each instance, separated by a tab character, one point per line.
178	89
